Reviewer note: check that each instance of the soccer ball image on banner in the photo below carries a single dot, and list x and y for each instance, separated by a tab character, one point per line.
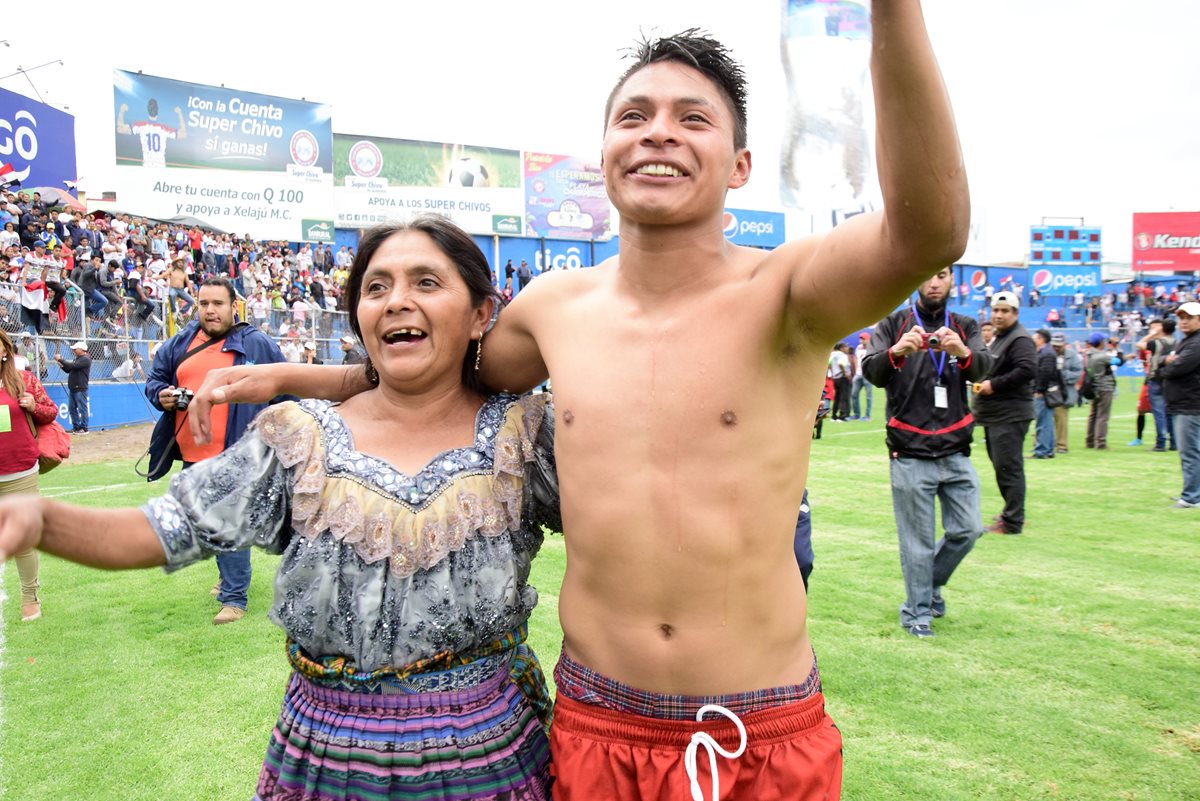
467	172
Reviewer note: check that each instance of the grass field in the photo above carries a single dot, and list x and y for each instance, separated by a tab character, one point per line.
1067	668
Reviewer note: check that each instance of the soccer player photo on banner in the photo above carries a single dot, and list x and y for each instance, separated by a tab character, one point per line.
239	161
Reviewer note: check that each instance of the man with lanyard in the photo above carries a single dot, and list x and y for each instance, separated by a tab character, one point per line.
929	427
1004	405
206	344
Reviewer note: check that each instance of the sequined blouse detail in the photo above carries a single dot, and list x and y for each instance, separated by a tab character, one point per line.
377	566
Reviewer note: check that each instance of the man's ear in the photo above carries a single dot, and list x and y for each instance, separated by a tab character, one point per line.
741	170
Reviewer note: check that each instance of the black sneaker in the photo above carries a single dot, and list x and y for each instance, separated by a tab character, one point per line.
920	630
938	607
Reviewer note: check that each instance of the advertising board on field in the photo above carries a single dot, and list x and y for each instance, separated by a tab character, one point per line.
238	160
1166	241
378	179
37	141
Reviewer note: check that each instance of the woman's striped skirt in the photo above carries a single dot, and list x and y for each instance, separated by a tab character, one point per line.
479	743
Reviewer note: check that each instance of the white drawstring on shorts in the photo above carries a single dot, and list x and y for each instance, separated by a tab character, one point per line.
703	738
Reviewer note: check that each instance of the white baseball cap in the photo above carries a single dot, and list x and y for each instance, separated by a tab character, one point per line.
1190	308
81	345
310	346
1006	299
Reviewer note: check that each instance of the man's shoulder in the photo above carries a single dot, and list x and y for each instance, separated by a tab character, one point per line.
252	336
558	284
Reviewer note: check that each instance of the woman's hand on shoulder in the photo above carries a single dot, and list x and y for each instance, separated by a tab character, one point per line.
240	384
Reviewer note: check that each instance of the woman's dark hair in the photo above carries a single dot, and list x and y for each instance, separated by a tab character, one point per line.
10	377
695	49
458	246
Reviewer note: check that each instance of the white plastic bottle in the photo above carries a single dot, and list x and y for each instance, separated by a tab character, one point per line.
826	167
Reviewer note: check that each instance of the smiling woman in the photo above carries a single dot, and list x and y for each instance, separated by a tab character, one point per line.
406	517
429	268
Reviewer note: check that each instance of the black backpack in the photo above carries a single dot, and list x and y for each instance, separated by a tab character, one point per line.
1087	387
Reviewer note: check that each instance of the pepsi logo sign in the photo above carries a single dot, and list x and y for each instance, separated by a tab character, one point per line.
731	225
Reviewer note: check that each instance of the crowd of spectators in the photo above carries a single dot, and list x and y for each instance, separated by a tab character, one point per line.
124	270
126	273
1125	313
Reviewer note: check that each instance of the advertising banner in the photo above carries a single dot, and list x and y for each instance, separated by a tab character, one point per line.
237	160
377	179
976	279
1166	241
1065	280
565	198
109	405
37	142
760	229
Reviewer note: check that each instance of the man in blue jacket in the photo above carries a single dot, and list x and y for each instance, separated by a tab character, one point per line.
212	341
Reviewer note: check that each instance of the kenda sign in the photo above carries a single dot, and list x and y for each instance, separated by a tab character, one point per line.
1166	241
1065	280
763	229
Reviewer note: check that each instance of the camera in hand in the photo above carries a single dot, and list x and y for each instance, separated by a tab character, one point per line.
183	396
932	341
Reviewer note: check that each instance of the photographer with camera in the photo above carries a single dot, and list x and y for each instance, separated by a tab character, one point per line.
924	356
210	342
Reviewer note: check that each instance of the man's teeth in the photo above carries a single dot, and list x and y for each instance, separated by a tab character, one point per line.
659	169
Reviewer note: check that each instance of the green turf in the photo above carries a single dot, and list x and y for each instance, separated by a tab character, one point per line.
1067	669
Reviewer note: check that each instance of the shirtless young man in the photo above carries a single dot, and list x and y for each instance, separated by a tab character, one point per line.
682	451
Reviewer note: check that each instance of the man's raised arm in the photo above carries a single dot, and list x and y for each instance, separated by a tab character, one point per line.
863	268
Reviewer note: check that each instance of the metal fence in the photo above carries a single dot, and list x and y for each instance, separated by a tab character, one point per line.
122	339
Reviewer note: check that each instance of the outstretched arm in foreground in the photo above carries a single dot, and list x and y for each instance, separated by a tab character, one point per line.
924	224
114	539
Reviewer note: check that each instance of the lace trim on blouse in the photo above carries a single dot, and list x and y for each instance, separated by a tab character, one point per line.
448	513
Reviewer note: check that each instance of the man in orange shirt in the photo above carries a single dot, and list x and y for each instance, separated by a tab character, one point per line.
212	341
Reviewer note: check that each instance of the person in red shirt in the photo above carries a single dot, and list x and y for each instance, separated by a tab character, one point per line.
21	394
196	243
